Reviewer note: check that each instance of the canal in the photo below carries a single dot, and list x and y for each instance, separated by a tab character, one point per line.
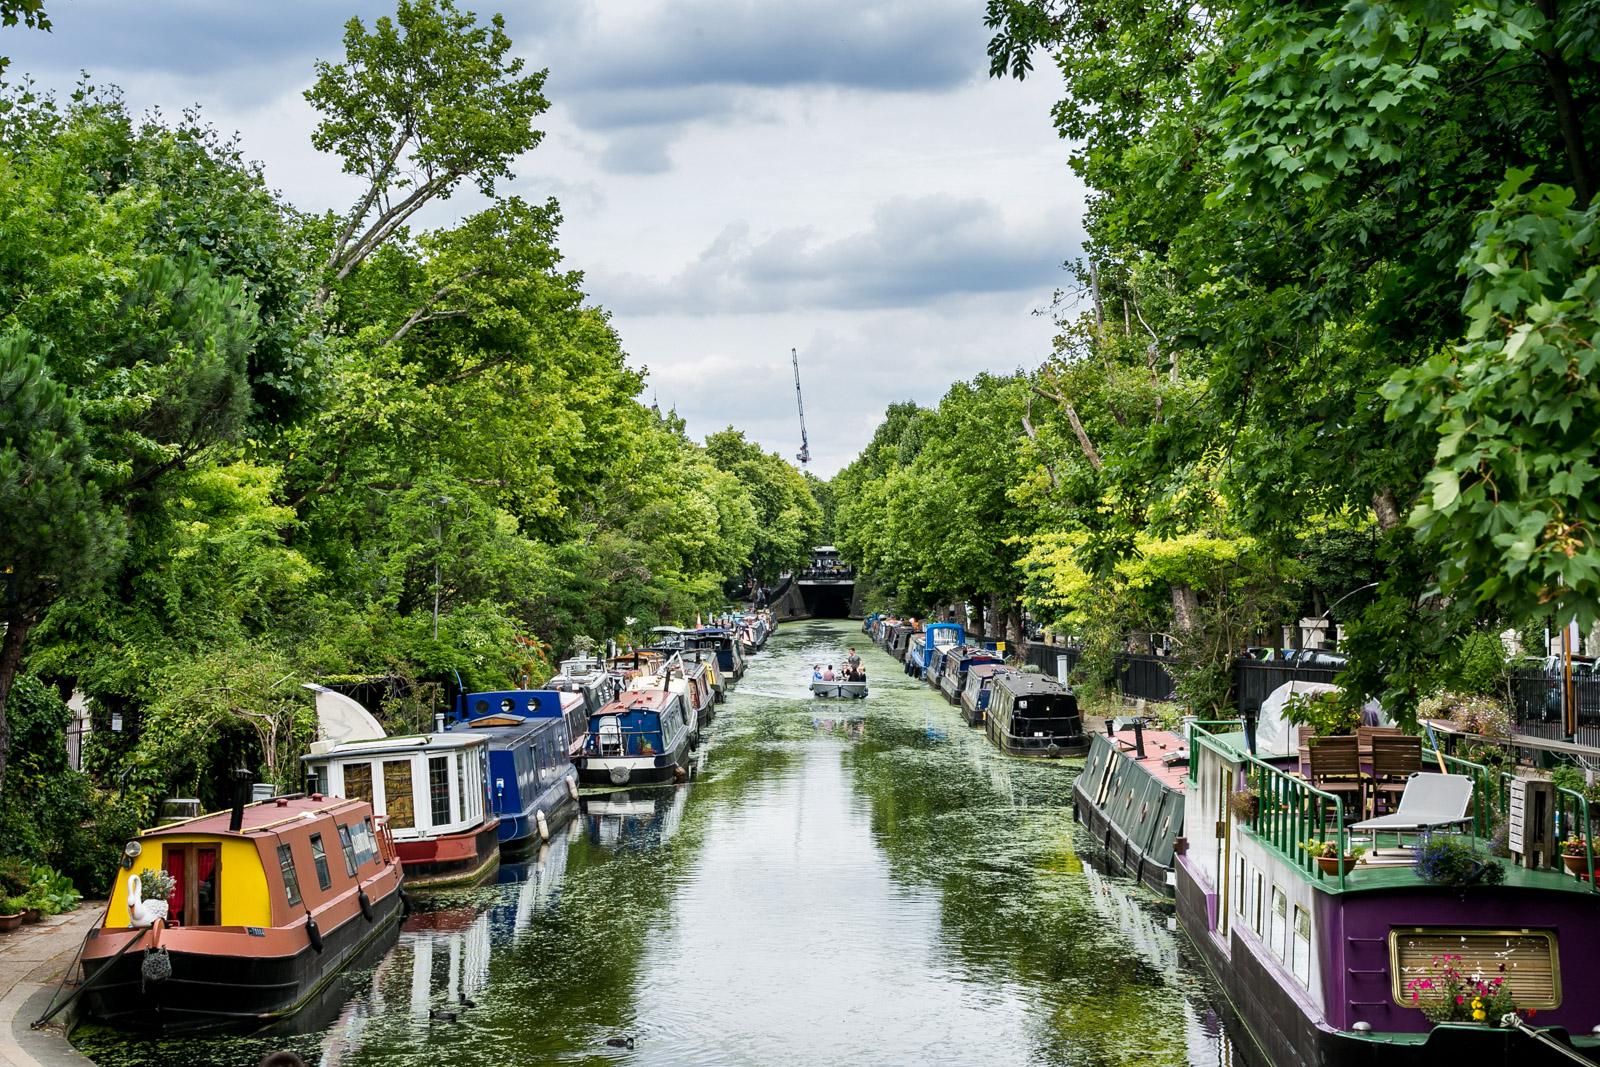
864	883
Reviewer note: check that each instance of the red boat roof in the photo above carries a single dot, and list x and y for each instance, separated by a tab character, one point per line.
260	816
1157	743
638	700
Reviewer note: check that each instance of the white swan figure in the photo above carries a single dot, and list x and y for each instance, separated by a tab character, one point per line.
143	913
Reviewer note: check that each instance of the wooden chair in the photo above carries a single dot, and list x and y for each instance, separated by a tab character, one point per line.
1395	758
1365	734
1336	769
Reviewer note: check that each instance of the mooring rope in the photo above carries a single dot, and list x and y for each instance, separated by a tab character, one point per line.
1517	1022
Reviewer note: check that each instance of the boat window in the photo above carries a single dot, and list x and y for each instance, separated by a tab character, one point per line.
507	707
358	781
1280	923
319	859
439	789
1300	962
398	802
291	880
349	849
1524	959
1257	902
369	841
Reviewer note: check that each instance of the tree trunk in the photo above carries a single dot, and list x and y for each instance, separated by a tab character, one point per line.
1568	118
1016	637
1388	510
16	637
1185	608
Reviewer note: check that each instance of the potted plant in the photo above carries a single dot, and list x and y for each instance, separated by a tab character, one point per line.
1326	853
1443	859
1574	855
11	912
155	886
1447	995
1328	714
1243	803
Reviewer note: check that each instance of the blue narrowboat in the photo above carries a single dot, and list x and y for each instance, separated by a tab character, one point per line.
644	736
935	638
953	667
977	691
532	783
730	658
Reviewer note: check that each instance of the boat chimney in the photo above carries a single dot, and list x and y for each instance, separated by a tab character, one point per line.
311	783
1138	737
241	796
438	722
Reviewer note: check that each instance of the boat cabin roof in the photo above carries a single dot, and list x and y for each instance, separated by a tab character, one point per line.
1024	683
657	700
262	816
984	670
434	742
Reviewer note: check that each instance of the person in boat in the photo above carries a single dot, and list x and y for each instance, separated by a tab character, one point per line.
852	668
816	672
827	675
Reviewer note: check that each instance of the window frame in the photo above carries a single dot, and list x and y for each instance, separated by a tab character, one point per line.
289	873
319	860
347	846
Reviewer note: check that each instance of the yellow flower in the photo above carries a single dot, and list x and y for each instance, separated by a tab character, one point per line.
1476	1003
1478	1015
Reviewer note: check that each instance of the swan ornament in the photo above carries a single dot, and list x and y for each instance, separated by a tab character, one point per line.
143	913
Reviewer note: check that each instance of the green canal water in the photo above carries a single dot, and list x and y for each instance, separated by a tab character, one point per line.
842	883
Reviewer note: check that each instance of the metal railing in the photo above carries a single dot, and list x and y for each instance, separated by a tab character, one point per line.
1288	810
1572	811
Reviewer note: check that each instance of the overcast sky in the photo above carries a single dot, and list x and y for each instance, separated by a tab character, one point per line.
738	177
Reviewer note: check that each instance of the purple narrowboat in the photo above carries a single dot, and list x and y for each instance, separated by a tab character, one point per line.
1328	963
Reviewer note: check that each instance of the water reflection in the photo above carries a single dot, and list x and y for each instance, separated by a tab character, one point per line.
869	884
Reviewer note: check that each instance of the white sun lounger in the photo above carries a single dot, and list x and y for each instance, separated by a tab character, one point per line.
1431	801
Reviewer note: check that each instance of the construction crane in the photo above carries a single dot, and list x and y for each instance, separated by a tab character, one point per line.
804	455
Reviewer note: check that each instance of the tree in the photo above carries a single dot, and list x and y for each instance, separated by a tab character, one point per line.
422	102
56	531
788	518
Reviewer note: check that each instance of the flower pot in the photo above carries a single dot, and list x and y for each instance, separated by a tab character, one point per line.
10	922
1336	864
1575	864
31	915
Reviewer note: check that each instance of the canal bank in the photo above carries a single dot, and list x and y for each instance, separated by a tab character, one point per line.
856	883
33	960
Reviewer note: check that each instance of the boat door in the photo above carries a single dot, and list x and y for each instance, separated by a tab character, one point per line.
1224	853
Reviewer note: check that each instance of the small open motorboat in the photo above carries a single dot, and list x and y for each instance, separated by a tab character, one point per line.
839	690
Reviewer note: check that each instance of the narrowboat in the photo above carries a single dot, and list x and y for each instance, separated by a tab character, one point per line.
532	783
1330	964
1033	715
644	736
1129	796
432	791
955	663
588	676
934	638
977	691
691	680
725	644
269	903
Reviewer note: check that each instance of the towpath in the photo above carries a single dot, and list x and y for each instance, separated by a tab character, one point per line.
33	959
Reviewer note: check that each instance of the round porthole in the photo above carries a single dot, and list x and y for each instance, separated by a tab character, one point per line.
533	705
506	706
480	706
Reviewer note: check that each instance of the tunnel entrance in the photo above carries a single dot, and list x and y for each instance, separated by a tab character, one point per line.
831	601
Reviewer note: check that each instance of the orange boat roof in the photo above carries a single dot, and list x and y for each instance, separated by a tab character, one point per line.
262	815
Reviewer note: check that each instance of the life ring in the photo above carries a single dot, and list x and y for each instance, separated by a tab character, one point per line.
366	904
572	786
314	933
544	825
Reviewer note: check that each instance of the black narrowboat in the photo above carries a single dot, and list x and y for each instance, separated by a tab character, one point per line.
1034	715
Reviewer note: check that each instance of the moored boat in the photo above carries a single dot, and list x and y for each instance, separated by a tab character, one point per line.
1132	801
432	790
975	694
934	639
532	783
644	736
1333	963
953	667
1033	715
269	903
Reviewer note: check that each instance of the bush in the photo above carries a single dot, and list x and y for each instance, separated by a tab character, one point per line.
1474	713
1477	665
1327	714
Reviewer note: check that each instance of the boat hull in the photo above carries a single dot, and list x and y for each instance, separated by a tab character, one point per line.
1136	817
1072	747
633	770
226	978
839	690
520	833
1287	1036
451	859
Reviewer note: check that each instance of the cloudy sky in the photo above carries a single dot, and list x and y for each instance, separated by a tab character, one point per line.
738	177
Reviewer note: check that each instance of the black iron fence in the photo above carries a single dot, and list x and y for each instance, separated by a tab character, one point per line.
1141	675
1254	681
1536	706
1044	656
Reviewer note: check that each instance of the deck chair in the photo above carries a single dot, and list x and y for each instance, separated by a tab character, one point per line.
1431	801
